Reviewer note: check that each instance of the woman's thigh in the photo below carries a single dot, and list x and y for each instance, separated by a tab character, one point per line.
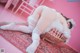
46	19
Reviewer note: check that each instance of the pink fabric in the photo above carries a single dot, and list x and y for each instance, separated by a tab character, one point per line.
49	43
22	40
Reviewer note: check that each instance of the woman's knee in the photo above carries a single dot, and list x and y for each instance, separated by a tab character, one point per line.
36	34
37	31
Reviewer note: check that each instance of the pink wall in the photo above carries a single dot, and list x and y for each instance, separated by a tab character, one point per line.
71	10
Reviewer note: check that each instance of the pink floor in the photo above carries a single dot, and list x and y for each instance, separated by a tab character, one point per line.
8	47
70	9
6	16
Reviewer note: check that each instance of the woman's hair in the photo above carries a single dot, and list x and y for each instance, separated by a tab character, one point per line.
69	20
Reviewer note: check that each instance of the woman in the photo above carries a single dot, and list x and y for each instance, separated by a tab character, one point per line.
42	20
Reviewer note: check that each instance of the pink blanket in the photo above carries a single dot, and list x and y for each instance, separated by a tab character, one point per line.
48	44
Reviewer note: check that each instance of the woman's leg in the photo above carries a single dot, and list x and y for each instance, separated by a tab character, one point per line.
35	35
13	26
36	40
44	21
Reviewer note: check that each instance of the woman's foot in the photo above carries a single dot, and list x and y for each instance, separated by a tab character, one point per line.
6	27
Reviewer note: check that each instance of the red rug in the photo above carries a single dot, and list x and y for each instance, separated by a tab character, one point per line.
47	45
